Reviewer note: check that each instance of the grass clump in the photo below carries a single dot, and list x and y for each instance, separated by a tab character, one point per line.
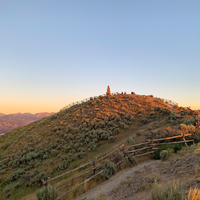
194	194
46	193
173	191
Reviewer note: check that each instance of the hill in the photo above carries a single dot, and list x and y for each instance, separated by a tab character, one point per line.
69	138
1	114
9	122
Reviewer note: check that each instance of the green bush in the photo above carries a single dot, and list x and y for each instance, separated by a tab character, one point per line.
122	125
144	120
164	155
130	161
131	140
63	165
109	170
111	139
8	194
116	130
54	152
174	147
138	133
36	180
8	188
15	175
46	193
92	146
3	171
189	121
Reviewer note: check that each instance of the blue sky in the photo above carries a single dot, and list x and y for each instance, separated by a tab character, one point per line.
55	52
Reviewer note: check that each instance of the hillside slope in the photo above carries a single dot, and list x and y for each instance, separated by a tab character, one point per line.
67	139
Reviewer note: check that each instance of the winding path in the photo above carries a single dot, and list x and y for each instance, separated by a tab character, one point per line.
110	184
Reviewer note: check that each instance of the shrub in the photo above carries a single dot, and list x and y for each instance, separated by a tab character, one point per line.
17	185
65	157
130	140
37	164
8	188
116	130
36	180
164	155
138	133
144	120
15	175
111	139
173	191
92	146
183	126
130	161
122	125
194	194
105	135
76	145
8	195
46	193
63	165
125	126
54	152
3	171
189	121
81	149
109	170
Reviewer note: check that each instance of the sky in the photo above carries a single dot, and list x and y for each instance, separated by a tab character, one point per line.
53	53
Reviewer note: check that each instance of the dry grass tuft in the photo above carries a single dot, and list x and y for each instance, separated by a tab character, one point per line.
194	194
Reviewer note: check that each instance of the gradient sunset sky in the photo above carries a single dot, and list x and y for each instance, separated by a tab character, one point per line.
53	53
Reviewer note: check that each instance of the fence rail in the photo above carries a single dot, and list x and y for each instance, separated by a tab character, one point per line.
145	149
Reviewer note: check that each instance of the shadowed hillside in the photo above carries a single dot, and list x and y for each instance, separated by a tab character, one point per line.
65	140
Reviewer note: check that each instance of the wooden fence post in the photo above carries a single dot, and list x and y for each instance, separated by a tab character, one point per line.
46	183
95	163
184	139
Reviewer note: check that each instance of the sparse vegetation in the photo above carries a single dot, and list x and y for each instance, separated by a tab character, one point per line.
68	138
173	191
46	193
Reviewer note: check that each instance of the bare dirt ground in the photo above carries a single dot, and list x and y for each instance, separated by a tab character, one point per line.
109	185
137	182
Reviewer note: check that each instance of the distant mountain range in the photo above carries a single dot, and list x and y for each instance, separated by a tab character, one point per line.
1	114
9	122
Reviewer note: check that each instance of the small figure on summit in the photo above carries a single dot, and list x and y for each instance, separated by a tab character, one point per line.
108	91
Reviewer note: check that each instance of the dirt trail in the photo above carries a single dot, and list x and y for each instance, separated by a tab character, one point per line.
115	180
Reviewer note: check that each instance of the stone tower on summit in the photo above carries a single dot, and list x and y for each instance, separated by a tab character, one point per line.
108	91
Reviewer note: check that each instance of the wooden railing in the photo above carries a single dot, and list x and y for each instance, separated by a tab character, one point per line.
148	147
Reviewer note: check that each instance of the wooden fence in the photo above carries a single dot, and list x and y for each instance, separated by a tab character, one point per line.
141	149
